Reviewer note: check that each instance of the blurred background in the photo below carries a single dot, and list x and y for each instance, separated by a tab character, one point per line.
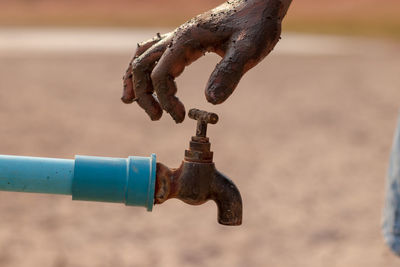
361	17
306	136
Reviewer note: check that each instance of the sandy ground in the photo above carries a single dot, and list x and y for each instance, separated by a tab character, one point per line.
306	138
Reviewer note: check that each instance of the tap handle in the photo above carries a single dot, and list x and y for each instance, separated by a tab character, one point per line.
203	116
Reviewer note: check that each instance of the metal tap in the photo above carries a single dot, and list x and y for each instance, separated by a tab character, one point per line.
197	180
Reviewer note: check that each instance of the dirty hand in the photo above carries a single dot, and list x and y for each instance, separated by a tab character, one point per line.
242	32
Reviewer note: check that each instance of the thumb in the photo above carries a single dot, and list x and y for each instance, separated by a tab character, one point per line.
226	76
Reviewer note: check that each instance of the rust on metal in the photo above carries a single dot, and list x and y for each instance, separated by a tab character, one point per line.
197	180
199	148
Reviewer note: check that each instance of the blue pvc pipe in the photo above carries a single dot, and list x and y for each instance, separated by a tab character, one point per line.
36	175
130	181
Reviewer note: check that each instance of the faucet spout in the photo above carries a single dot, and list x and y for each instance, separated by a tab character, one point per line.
228	199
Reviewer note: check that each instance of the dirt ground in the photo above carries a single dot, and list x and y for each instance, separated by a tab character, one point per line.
306	138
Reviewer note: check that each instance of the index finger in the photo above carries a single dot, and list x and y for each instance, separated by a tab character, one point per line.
128	95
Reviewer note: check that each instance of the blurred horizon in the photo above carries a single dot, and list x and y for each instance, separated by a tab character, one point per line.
351	17
305	136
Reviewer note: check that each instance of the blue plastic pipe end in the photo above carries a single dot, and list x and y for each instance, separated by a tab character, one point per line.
130	181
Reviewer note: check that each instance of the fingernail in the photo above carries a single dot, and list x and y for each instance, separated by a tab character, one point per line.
215	96
178	117
155	115
127	100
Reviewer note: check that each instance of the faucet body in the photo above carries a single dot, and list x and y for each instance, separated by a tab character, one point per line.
197	180
195	183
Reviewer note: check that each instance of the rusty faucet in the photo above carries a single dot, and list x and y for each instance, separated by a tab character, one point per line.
197	180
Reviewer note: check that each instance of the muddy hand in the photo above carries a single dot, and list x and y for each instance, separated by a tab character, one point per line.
242	32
